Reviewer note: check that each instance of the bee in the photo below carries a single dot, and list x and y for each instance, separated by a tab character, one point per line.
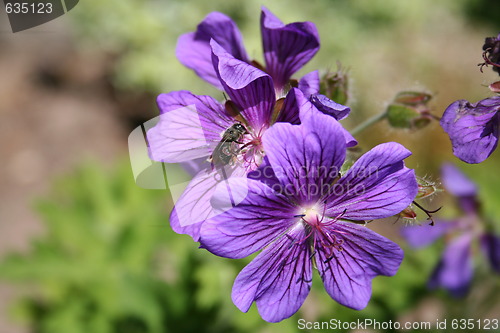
225	149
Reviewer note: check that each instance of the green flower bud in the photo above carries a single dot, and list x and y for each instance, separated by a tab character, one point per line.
412	98
335	86
409	110
426	188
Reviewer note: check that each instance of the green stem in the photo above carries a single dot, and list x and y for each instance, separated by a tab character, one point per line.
373	120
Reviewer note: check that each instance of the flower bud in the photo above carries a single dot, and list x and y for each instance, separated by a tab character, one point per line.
335	86
412	98
409	110
408	215
495	87
426	188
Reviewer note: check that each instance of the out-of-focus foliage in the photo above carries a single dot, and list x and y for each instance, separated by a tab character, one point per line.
484	11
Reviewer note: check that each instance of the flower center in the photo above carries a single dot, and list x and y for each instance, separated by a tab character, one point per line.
320	231
312	217
252	153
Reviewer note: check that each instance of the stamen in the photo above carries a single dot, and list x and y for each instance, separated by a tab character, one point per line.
324	211
428	212
336	218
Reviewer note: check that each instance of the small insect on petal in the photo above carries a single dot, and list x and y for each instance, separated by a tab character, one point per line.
226	150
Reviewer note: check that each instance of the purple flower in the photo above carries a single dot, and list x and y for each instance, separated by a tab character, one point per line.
191	126
473	128
454	271
286	47
301	213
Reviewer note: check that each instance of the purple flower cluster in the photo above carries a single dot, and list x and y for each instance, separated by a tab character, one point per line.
280	189
190	126
454	271
300	229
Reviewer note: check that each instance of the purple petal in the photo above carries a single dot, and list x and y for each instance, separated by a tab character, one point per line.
193	49
473	128
192	230
265	174
309	84
256	221
194	166
460	186
378	185
286	47
423	235
306	158
456	182
189	127
290	111
308	109
278	279
329	107
490	244
194	205
297	106
347	274
248	87
349	139
454	271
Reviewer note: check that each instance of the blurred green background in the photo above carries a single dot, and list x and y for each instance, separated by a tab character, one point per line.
84	249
